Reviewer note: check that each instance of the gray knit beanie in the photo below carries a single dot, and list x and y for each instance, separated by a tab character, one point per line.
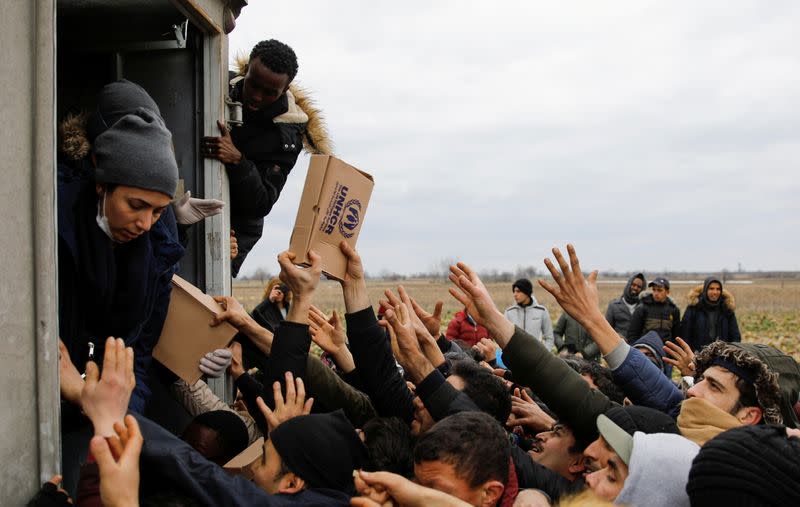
136	151
114	101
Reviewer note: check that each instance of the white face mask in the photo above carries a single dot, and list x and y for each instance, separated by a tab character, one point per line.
102	220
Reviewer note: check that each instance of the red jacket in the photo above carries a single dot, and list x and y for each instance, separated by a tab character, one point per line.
465	329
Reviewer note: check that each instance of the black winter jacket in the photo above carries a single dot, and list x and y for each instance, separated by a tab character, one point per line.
663	318
270	142
268	315
696	326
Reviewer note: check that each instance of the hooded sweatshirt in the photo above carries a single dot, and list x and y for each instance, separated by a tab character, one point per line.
658	471
652	343
620	310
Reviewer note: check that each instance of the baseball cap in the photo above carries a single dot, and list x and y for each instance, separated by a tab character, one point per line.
619	440
659	282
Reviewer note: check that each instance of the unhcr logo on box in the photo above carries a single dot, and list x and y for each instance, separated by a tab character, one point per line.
334	211
351	218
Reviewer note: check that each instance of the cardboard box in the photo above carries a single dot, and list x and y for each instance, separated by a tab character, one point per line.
332	209
241	463
187	336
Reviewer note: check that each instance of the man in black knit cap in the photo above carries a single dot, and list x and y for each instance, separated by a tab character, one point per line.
751	465
527	314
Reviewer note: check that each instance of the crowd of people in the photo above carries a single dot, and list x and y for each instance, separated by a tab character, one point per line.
501	409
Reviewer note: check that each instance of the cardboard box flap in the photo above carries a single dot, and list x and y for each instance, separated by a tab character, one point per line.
308	210
187	336
204	299
241	463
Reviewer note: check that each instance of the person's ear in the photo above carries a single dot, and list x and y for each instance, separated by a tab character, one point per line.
492	491
577	467
99	188
291	484
750	415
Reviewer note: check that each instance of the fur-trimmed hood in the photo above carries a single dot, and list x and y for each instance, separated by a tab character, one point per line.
768	391
316	139
694	294
73	140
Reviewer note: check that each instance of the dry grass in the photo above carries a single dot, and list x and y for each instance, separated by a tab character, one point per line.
768	310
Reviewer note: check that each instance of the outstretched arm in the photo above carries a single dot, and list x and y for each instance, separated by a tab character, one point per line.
558	385
372	352
578	297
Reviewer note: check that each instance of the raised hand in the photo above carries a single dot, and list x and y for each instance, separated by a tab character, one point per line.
470	291
302	281
71	381
330	336
682	356
407	351
105	399
487	348
575	294
432	321
326	332
426	341
578	297
354	287
295	403
525	412
119	468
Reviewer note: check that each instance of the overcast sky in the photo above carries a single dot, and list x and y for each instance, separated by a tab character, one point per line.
652	135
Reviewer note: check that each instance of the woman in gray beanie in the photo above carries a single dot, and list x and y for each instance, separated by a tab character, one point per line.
117	244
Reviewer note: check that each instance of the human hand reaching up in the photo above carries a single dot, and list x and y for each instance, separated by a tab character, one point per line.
470	291
119	467
682	356
70	378
577	295
408	352
487	349
525	412
427	342
354	287
329	334
295	403
302	282
105	398
432	321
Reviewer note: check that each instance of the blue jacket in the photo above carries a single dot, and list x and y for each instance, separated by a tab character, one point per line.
644	383
80	320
